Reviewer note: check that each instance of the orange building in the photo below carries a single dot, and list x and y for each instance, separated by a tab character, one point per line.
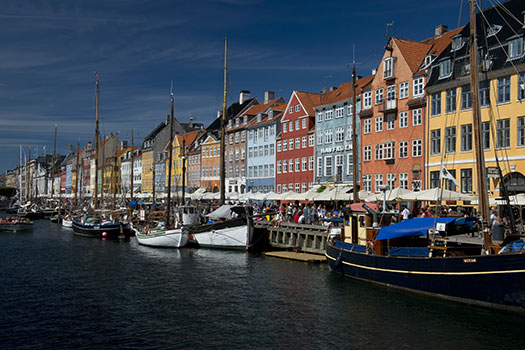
210	163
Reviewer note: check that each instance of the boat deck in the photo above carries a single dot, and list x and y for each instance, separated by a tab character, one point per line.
304	257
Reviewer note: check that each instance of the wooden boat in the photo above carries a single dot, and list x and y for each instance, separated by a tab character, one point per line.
16	224
96	228
417	254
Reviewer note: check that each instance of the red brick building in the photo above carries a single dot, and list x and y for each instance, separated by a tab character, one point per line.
295	144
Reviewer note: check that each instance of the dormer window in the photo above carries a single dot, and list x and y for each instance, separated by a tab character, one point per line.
515	49
493	30
444	69
270	114
457	42
259	117
245	120
428	60
237	121
389	68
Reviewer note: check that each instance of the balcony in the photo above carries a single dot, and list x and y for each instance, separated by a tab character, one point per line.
388	105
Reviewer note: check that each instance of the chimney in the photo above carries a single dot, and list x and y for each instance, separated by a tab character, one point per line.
269	96
244	96
191	122
440	30
374	71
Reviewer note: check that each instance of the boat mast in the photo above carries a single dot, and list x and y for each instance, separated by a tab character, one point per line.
53	164
170	150
78	173
183	169
132	161
223	125
103	171
480	156
29	184
113	171
95	195
354	137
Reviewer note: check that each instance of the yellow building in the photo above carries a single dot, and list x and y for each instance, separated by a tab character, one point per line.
449	126
147	171
178	152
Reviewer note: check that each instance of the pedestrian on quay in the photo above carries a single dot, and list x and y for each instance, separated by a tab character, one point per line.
406	213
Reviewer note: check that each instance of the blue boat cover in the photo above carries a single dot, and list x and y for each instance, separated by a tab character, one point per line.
349	246
409	251
410	227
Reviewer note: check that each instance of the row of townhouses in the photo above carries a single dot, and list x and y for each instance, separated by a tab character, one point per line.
414	115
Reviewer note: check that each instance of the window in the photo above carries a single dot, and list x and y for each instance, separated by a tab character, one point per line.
311	163
243	154
303	187
403	90
503	133
521	131
278	167
504	89
304	123
466	137
291	109
285	145
379	151
278	188
417	117
378	182
303	163
250	135
450	139
285	166
367	153
417	148
485	135
435	105
319	116
515	48
484	93
403	180
466	180
379	96
290	166
444	69
349	110
521	86
310	140
367	126
349	133
290	126
391	97
319	166
266	151
319	137
434	179
339	135
466	97
391	180
328	166
340	112
329	114
367	99
457	43
403	119
367	182
449	184
328	136
297	124
231	139
390	121
266	170
284	127
450	102
339	166
388	150
285	188
290	145
236	154
298	143
435	141
261	171
243	135
388	68
304	141
255	136
272	149
493	30
297	187
297	108
278	146
266	132
403	149
379	123
261	151
349	164
418	87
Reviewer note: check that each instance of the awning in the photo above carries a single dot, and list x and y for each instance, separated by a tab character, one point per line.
411	227
223	212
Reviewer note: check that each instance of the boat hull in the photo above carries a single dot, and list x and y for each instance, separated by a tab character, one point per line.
110	231
492	280
67	223
163	238
236	237
16	227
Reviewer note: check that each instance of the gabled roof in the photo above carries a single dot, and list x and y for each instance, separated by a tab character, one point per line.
155	131
187	138
234	109
309	100
440	43
344	91
413	52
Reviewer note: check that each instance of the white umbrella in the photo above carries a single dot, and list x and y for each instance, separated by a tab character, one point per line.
272	196
394	195
435	194
197	195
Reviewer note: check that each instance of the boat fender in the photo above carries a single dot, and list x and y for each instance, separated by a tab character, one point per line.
338	261
104	234
369	247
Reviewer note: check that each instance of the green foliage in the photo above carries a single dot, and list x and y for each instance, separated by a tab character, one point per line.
321	188
7	191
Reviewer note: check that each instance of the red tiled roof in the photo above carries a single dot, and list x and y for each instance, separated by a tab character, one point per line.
345	90
309	101
413	52
188	138
441	43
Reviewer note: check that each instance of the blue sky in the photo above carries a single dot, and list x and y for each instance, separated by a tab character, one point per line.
49	50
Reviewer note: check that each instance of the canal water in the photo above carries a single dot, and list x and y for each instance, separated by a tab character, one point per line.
60	291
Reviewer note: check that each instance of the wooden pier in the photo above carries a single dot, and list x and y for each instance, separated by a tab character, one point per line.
296	237
304	257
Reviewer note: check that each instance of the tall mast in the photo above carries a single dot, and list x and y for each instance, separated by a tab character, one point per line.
480	156
170	150
132	163
354	137
53	164
95	195
103	171
183	169
113	173
78	173
223	125
29	184
20	176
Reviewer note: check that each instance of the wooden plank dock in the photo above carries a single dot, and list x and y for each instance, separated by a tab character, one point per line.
304	257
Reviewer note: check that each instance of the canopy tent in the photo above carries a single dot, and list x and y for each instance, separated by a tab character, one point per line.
273	196
197	195
223	212
517	199
338	193
232	195
393	195
211	195
435	194
411	227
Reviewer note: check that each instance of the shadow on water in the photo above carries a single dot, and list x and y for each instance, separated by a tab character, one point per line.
64	291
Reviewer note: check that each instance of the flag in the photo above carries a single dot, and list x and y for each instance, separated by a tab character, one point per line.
444	174
96	74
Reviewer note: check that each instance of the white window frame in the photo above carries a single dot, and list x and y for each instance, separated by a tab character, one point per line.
403	119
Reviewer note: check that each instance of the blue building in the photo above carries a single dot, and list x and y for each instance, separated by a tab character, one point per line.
262	132
333	134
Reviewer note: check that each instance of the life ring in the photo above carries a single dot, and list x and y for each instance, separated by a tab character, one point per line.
369	247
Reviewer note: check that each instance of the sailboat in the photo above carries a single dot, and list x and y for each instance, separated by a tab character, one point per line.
92	226
229	226
411	255
166	235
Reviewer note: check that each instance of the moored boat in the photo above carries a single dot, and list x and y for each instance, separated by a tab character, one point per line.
16	224
96	228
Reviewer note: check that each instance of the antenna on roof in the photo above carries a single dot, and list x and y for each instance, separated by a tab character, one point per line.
391	24
171	89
